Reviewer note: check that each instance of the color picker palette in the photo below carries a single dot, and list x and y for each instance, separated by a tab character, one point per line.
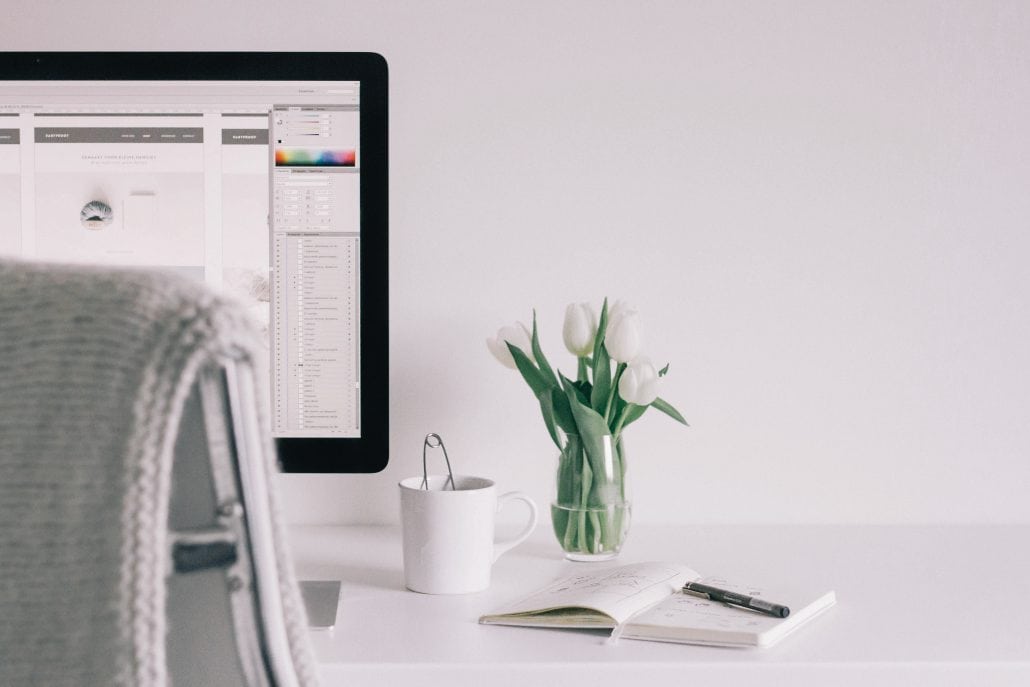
315	157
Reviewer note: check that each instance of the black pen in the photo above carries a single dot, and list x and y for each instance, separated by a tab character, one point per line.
726	596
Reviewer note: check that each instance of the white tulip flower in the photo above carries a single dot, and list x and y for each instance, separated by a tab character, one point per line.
517	335
618	309
639	383
624	337
579	329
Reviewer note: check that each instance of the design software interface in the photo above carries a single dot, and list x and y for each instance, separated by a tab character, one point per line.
251	187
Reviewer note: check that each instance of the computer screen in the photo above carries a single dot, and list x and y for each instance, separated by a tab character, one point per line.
257	185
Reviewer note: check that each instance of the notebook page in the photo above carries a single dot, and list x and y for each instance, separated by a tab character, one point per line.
693	618
618	592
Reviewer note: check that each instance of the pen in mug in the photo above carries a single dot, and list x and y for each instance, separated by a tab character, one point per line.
726	596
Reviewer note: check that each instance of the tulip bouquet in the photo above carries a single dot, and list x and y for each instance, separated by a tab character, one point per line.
586	418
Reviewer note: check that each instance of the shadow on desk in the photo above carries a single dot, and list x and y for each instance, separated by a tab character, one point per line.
364	576
548	549
393	579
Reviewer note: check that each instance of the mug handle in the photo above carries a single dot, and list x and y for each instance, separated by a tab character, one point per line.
506	545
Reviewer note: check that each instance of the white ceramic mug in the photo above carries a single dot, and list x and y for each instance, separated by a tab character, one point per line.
449	544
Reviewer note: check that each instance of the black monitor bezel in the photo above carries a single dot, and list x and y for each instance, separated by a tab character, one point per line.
370	452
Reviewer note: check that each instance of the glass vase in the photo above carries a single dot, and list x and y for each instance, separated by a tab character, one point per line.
591	509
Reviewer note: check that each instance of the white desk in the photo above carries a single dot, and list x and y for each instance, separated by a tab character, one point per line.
936	605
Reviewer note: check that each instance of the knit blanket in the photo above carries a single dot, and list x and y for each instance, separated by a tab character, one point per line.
95	368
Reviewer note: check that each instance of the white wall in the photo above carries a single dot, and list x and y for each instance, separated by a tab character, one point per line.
820	208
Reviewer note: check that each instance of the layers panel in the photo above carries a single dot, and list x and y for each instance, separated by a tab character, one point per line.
315	246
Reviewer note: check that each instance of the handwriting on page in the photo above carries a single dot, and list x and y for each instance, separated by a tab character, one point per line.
620	584
687	610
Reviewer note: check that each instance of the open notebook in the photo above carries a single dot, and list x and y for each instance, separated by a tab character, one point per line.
645	602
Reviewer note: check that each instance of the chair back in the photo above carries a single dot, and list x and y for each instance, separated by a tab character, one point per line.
225	617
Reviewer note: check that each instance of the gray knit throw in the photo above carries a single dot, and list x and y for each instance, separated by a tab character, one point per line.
95	366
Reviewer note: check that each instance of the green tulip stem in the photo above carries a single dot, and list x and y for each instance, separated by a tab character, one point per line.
622	472
599	537
615	390
581	540
619	422
581	376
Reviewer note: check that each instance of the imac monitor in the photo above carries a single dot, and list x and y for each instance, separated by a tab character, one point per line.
263	175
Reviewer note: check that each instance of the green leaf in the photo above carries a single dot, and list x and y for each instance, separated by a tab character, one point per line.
593	432
664	371
533	377
580	395
562	412
602	380
625	415
602	325
664	406
617	410
587	419
541	359
633	414
609	412
547	410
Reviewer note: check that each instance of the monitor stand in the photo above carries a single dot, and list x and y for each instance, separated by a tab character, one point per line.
321	599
